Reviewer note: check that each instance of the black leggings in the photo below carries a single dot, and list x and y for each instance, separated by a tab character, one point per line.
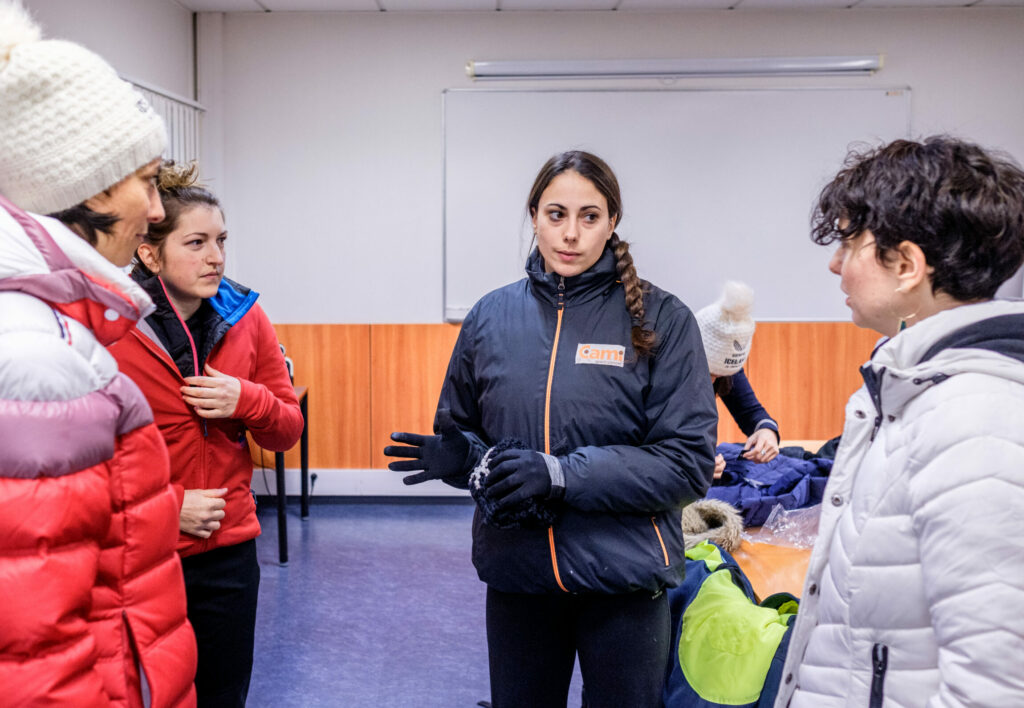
222	586
622	641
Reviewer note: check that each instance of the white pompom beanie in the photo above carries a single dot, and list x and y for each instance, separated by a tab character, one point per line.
727	329
69	126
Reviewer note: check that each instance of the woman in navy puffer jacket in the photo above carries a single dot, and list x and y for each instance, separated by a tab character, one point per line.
601	381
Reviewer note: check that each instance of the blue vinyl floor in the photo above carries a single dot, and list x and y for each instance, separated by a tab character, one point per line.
379	605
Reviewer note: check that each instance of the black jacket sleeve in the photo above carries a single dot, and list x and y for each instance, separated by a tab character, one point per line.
459	395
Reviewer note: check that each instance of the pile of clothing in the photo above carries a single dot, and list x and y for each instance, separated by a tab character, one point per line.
795	479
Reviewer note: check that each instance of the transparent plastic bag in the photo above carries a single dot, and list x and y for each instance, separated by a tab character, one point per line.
791	527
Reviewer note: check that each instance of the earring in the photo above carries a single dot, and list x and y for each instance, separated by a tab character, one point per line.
903	318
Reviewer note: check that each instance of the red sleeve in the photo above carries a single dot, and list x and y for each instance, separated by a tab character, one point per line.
267	404
179	492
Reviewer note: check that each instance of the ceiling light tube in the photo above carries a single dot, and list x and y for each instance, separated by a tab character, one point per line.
854	65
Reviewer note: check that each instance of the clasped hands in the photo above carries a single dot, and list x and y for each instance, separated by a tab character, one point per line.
515	475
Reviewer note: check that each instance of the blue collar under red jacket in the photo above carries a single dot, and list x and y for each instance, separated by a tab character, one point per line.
205	328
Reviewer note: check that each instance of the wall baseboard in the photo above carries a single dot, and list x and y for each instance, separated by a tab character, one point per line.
351	483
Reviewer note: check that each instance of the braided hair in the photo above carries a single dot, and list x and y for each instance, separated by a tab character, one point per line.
642	338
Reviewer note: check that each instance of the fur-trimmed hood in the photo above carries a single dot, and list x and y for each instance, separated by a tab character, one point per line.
712	520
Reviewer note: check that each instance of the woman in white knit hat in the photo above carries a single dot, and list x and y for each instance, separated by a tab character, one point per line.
727	330
94	602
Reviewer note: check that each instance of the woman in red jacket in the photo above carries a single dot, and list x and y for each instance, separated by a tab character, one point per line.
209	363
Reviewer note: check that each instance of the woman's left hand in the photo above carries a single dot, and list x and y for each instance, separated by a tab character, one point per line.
517	475
213	396
762	446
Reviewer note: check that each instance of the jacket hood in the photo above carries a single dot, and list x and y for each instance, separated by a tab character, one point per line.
579	288
985	338
41	257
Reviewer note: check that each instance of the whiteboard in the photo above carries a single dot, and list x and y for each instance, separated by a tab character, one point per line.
716	184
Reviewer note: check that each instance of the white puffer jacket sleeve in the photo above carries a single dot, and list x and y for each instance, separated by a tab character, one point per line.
966	503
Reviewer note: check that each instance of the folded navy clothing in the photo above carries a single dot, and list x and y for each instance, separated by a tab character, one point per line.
754	489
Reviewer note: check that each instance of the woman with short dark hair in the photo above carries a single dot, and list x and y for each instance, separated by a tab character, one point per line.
914	585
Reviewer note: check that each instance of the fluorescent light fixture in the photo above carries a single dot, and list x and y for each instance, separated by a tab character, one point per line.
857	65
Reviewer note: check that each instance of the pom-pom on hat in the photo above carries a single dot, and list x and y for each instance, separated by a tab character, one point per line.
69	126
727	329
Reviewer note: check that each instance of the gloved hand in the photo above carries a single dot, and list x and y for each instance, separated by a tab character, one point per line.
517	475
438	456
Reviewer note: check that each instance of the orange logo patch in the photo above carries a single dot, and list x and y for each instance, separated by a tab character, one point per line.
603	354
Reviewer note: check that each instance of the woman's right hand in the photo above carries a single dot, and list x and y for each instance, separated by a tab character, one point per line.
201	511
436	456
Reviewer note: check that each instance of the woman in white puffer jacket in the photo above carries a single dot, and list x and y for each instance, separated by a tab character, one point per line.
915	587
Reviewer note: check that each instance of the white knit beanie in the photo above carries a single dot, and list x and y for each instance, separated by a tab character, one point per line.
69	126
727	329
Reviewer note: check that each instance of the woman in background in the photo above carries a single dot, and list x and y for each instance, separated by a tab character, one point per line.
727	329
209	363
93	609
914	585
601	378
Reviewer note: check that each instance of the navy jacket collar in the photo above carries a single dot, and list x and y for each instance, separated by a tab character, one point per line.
1003	335
600	278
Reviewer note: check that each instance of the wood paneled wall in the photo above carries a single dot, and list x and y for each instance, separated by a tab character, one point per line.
366	381
803	374
407	367
333	361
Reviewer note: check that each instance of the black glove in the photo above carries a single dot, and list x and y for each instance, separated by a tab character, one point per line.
438	456
517	475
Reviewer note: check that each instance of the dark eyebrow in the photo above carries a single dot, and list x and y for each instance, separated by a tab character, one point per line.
563	208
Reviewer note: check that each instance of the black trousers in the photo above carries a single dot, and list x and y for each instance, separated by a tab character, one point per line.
222	587
622	642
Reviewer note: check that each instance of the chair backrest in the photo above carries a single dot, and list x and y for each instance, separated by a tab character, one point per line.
288	363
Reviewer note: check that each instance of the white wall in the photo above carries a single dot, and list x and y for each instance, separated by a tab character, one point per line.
332	122
146	40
